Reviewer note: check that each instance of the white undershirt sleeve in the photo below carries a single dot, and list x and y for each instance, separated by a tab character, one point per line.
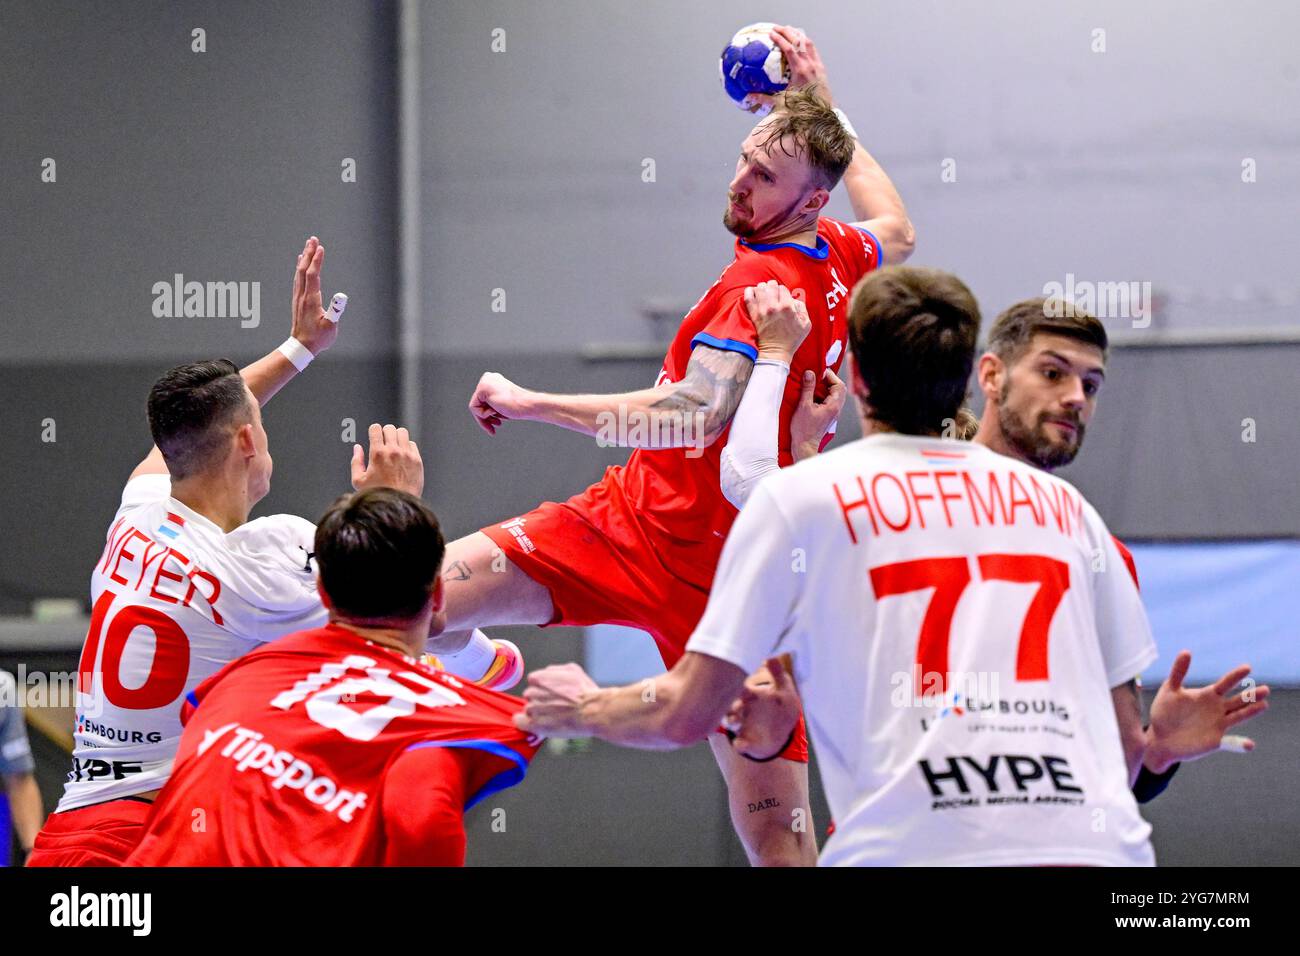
751	451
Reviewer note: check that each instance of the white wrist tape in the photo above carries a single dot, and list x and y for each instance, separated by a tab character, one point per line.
296	352
767	361
844	121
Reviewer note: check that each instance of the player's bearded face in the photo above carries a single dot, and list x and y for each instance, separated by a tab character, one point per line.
1037	434
768	191
1047	400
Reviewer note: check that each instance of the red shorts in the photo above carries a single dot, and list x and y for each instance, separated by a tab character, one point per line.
596	557
100	835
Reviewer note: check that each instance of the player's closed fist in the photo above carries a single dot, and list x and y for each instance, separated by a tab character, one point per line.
497	399
394	461
765	713
311	326
554	701
780	319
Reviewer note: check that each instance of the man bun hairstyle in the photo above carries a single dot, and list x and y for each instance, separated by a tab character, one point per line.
192	411
913	333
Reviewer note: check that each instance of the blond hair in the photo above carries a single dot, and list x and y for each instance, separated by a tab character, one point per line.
807	121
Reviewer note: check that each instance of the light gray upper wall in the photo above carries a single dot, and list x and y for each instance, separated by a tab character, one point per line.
1123	165
215	165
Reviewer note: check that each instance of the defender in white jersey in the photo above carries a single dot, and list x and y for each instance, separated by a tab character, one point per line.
1041	376
176	598
953	641
186	583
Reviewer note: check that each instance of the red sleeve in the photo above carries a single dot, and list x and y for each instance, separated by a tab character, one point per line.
425	791
872	255
195	697
423	819
857	245
1127	555
730	327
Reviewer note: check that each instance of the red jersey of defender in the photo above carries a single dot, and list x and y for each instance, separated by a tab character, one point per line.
677	490
302	752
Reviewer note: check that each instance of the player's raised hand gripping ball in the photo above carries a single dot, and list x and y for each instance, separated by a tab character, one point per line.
753	69
802	60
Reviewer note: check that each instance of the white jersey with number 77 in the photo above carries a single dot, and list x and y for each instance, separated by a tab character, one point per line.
957	620
174	599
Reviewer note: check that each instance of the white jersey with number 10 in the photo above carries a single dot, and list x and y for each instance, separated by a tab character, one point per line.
957	620
174	599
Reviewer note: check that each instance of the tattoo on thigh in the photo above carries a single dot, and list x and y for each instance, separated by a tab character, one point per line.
457	571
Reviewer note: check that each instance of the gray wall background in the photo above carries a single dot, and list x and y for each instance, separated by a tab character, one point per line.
1115	166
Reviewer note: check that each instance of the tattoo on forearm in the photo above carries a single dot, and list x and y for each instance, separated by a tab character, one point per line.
457	571
714	383
767	803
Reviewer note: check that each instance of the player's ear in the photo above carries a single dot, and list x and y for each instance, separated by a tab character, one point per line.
817	201
991	375
245	442
435	607
856	383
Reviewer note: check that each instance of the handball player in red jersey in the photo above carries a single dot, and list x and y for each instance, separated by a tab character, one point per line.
640	547
337	746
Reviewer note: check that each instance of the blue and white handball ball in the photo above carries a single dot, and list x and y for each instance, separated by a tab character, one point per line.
752	68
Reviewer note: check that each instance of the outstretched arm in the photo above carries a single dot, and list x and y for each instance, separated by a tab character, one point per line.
692	412
312	328
876	203
663	713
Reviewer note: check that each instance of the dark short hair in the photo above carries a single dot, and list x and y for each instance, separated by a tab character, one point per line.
191	409
805	120
913	334
379	553
1016	327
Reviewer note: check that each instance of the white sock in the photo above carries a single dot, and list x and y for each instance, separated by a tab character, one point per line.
473	660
